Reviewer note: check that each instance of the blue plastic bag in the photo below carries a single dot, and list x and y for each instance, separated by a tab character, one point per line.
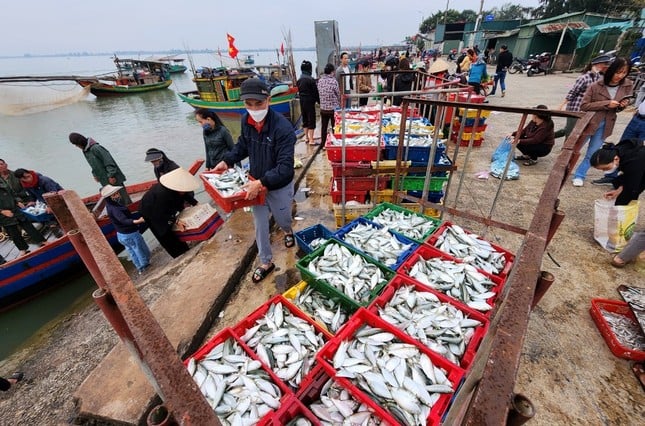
498	161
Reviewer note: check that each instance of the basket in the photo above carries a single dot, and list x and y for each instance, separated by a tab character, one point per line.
620	308
307	235
236	201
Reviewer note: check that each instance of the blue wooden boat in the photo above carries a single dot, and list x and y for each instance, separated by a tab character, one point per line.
24	277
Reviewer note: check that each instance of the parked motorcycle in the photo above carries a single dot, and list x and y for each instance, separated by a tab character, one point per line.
519	65
541	63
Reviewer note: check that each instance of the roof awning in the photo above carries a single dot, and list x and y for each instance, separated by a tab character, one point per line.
557	27
509	33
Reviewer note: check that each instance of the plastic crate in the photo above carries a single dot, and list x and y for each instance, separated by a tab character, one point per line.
43	217
341	233
507	254
352	168
226	334
402	281
251	320
352	211
472	113
359	196
383	206
415	183
364	317
362	183
353	153
236	201
332	292
433	196
289	410
419	154
293	293
620	308
204	231
307	235
427	252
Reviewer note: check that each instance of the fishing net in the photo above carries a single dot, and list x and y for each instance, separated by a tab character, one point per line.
34	97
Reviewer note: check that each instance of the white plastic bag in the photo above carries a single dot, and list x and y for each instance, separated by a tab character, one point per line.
614	225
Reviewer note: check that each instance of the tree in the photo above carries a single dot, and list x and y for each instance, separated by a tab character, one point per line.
510	11
452	17
626	8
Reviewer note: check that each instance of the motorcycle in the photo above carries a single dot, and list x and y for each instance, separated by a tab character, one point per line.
519	65
541	63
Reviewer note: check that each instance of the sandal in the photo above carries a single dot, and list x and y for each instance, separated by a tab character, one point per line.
617	262
17	376
260	273
522	158
289	241
530	162
639	370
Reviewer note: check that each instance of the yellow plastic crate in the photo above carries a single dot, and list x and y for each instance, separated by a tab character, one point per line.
478	136
351	212
291	295
472	113
384	196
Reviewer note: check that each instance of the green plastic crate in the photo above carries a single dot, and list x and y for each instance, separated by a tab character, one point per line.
415	183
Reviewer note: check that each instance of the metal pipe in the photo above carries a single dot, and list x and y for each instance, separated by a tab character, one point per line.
521	411
160	416
556	220
543	284
105	301
82	248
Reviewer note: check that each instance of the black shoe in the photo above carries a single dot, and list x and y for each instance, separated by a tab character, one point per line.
603	181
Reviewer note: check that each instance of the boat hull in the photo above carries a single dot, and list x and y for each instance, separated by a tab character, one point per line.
177	69
104	90
280	104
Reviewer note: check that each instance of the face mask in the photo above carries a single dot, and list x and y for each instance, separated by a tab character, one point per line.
258	116
206	126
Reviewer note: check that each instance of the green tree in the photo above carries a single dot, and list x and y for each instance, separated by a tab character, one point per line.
626	8
510	11
452	16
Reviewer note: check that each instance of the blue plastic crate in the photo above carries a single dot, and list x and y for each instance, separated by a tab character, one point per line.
340	235
307	235
433	196
418	154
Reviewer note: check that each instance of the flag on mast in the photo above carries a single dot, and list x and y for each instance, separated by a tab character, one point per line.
282	48
232	50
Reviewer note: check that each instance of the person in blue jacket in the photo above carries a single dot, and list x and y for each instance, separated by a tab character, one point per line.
268	140
477	74
36	184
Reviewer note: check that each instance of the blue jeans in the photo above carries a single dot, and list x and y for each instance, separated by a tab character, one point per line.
348	100
501	78
278	203
595	142
137	249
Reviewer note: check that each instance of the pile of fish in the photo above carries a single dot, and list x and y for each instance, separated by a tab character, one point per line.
284	342
230	182
408	224
37	209
398	376
376	242
415	141
627	332
353	126
459	280
317	242
348	272
337	407
392	124
322	308
471	249
234	384
299	421
362	140
440	326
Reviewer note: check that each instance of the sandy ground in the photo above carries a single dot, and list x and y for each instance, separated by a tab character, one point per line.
567	370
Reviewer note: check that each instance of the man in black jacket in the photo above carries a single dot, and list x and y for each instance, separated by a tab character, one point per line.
504	61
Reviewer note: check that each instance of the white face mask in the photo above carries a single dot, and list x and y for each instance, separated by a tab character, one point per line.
258	115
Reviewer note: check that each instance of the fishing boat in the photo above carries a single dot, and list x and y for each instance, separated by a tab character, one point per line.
248	60
133	76
26	276
175	64
218	89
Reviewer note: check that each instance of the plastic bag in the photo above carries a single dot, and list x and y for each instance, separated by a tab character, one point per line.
498	161
614	225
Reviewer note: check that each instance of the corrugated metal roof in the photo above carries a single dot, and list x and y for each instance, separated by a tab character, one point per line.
509	33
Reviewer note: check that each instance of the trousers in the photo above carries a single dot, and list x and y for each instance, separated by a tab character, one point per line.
278	203
137	249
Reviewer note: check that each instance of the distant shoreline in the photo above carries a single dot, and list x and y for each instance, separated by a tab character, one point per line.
167	52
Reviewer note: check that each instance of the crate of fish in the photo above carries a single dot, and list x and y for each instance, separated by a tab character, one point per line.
454	278
226	189
379	243
327	312
437	321
467	246
357	147
333	404
283	338
350	211
224	369
366	355
417	148
343	274
293	413
620	329
310	238
415	226
38	213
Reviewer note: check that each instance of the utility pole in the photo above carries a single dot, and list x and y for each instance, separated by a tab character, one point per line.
445	13
471	42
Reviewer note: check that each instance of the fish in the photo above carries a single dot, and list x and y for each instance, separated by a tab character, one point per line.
336	406
471	249
322	308
376	242
229	182
408	224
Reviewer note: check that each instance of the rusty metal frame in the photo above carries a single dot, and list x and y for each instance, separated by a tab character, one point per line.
130	316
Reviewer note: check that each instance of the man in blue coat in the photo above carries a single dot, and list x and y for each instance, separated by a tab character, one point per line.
268	140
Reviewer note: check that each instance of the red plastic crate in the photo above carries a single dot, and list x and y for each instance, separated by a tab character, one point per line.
362	183
204	232
507	254
236	201
249	321
363	317
402	281
289	410
228	333
429	252
352	168
350	194
620	308
352	152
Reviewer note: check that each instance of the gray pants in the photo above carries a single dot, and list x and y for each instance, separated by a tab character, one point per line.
635	246
278	203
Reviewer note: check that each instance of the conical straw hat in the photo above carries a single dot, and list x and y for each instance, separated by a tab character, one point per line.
179	180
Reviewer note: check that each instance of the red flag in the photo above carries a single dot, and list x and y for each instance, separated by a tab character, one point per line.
282	48
232	50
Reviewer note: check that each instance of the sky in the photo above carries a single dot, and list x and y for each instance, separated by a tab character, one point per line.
61	26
